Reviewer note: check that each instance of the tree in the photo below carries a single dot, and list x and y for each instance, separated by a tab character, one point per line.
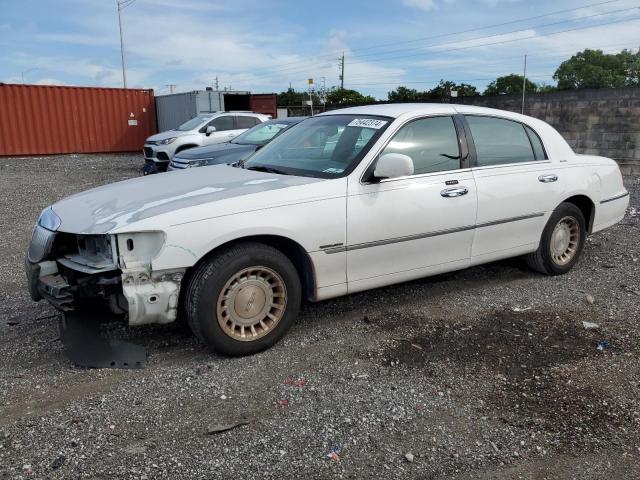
593	69
292	97
466	90
631	62
444	89
404	94
337	96
544	88
509	85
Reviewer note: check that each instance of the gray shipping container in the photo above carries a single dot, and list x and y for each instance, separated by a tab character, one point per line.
175	109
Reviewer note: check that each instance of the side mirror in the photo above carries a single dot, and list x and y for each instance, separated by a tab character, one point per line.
210	130
393	165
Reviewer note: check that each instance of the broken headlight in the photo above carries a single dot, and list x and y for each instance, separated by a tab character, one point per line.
49	220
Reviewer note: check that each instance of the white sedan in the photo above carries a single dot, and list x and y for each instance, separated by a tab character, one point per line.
346	201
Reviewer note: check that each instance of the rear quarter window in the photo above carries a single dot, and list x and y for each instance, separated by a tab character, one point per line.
538	148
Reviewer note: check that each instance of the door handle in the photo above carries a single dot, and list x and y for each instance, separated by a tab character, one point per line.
551	177
454	192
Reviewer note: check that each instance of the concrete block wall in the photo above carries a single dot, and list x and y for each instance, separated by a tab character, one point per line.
602	122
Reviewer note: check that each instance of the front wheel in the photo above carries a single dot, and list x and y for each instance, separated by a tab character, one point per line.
561	243
243	299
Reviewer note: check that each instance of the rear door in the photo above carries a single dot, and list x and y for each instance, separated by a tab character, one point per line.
518	186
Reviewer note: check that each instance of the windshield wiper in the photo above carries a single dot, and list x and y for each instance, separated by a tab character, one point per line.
264	168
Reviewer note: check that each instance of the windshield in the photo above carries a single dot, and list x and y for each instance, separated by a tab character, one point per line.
325	146
260	134
193	123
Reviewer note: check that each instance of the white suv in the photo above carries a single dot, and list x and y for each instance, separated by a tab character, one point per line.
205	129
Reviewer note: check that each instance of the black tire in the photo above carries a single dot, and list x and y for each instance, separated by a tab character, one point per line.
542	260
208	280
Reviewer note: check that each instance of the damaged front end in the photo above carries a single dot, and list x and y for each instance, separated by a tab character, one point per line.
88	276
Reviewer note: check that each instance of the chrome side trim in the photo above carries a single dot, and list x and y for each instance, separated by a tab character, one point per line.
511	219
419	236
617	197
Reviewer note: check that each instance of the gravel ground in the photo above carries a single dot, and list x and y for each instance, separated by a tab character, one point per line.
483	373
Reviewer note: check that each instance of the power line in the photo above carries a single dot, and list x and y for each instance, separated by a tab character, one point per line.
428	54
584	27
530	58
330	56
491	26
458	80
512	32
507	41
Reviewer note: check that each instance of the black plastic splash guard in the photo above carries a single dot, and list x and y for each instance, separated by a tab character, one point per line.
86	347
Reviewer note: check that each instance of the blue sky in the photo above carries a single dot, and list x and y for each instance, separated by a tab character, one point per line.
264	46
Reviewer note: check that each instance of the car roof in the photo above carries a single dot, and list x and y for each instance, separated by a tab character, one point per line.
287	120
396	110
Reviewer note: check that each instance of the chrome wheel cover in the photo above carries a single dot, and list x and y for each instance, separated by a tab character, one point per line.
565	240
251	303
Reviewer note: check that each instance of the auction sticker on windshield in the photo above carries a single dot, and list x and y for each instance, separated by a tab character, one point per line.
367	123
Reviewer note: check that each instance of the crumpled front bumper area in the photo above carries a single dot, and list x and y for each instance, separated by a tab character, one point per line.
81	324
91	285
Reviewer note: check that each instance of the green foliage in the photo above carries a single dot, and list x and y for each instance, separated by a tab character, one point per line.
294	98
334	96
442	90
543	88
404	94
509	85
631	62
337	96
591	69
596	69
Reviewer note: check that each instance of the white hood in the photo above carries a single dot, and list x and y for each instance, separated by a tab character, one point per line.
119	205
165	135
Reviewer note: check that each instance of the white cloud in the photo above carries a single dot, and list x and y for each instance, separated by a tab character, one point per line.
49	81
425	5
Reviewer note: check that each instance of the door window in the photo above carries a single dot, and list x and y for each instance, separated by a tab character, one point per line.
499	141
432	144
244	121
222	123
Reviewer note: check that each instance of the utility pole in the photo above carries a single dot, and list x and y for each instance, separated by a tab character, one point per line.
172	88
122	4
323	91
524	83
342	71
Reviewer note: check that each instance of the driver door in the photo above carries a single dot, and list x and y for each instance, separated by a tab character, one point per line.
409	227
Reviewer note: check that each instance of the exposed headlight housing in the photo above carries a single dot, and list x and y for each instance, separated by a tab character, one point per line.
138	249
167	141
49	220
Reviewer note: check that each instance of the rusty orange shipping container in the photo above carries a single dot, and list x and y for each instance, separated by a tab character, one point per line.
40	120
264	103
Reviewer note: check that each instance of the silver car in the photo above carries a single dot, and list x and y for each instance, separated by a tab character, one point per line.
205	129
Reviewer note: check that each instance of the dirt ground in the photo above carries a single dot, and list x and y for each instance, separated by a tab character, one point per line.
483	373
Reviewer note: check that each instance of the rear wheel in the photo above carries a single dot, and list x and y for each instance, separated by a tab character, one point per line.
561	243
243	299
